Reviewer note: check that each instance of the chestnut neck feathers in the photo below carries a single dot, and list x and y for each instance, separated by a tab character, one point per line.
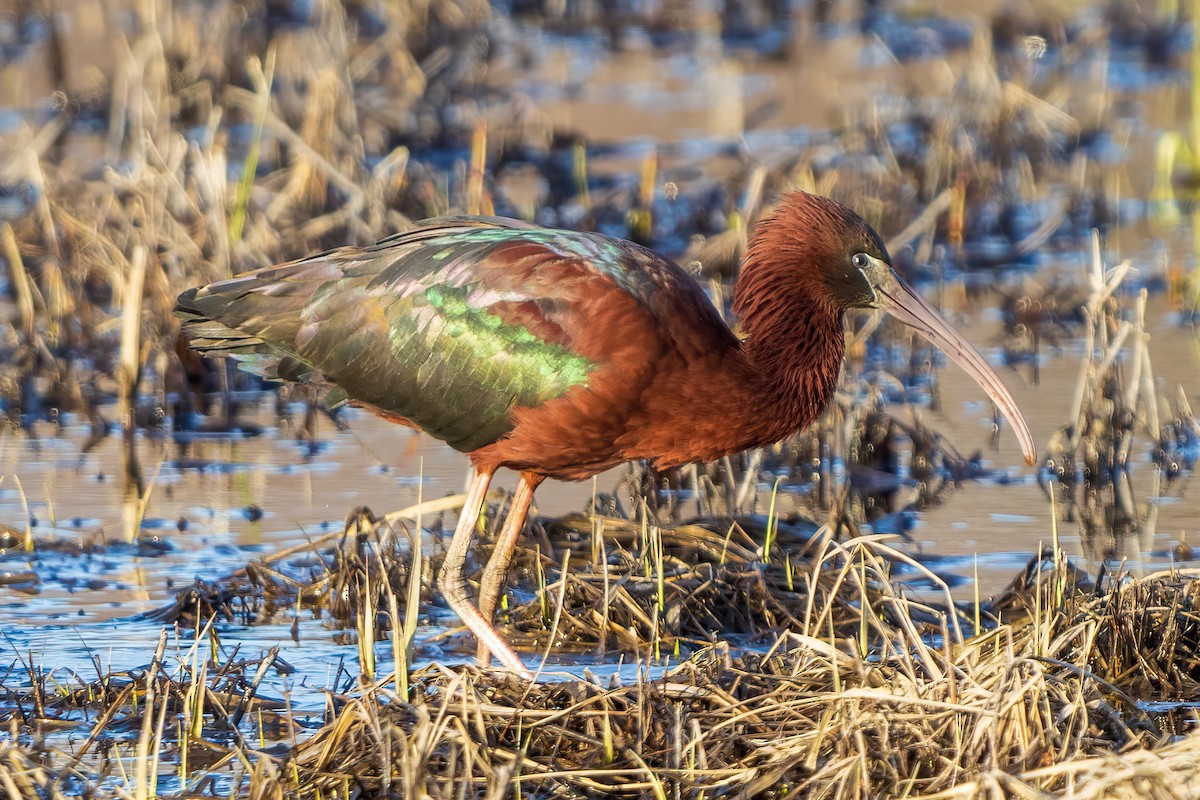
792	322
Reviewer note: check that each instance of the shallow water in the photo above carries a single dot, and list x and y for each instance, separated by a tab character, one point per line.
691	105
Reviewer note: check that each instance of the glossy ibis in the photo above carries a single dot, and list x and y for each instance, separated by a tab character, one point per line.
560	354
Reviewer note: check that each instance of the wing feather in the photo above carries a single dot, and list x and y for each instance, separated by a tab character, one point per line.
450	325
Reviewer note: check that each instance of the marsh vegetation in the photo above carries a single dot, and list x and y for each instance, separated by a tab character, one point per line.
213	586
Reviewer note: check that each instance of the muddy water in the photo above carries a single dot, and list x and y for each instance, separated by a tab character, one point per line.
206	501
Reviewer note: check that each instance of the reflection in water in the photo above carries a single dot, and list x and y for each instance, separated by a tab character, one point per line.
134	486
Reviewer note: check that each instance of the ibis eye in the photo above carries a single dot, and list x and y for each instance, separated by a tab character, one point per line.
860	260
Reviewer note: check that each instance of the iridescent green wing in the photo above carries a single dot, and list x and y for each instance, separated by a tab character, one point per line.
450	326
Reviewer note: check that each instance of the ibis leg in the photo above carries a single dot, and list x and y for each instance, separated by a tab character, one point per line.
454	585
497	567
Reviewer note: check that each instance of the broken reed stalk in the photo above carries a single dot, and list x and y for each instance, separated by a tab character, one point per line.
249	100
477	202
129	373
402	631
579	171
27	321
263	92
1090	372
365	622
640	219
400	656
1149	393
129	355
747	490
146	769
412	606
1195	76
27	543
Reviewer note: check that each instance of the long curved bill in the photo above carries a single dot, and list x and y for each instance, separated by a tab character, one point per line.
897	298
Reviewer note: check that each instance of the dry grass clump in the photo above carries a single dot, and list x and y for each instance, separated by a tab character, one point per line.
1145	634
141	724
24	776
862	688
1089	471
598	585
338	574
649	591
206	694
1018	711
845	699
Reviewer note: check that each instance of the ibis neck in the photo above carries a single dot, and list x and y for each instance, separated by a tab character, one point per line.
793	351
759	391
